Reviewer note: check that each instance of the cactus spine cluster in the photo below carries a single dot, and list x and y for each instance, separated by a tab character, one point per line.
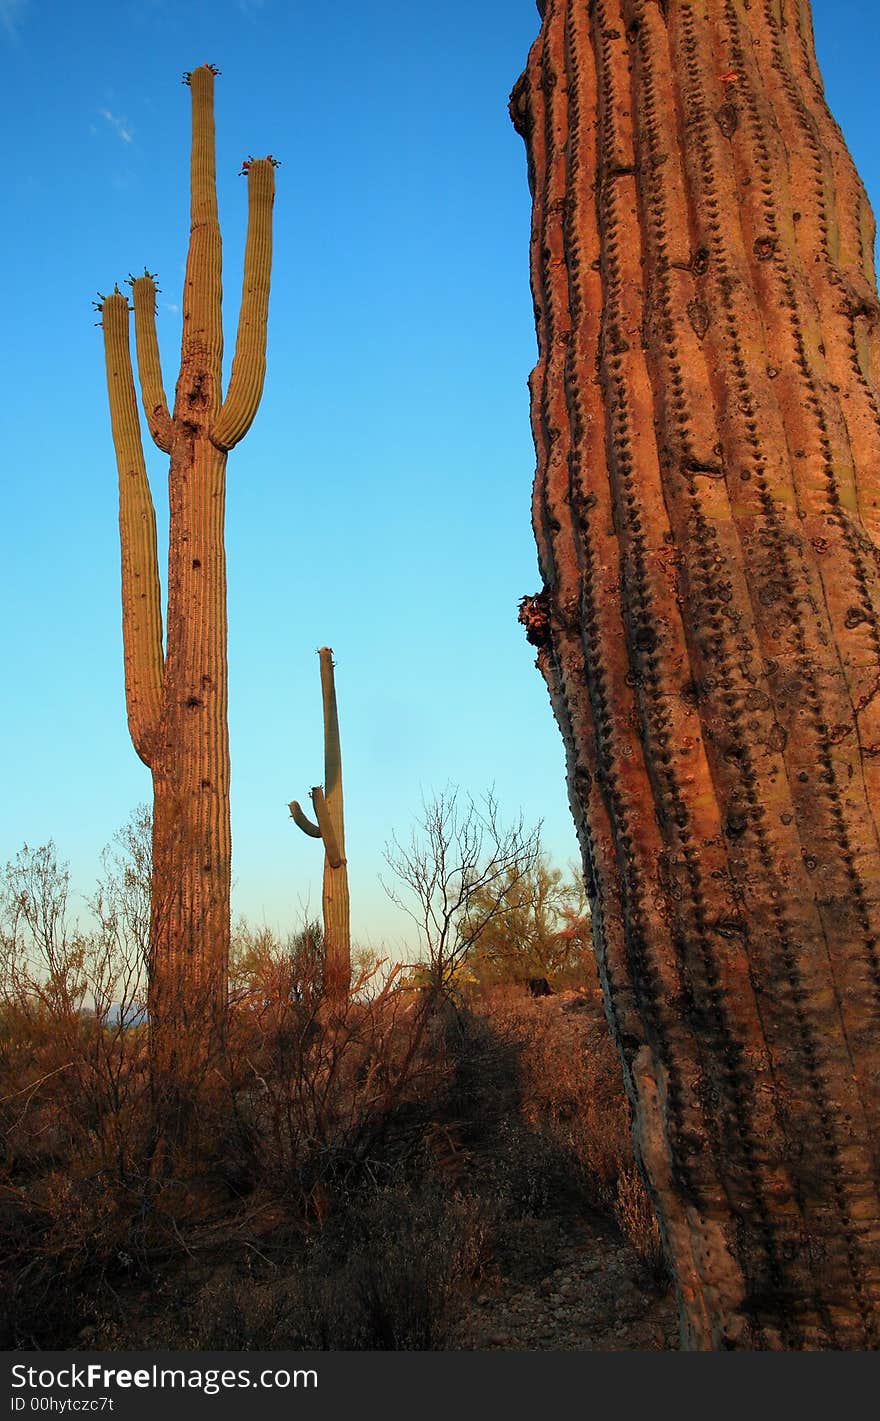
327	804
176	697
706	416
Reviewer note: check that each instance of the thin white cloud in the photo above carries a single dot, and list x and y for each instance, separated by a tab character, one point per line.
172	307
120	124
12	13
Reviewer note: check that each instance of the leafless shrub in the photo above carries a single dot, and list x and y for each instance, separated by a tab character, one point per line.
391	1279
321	1089
71	1070
455	875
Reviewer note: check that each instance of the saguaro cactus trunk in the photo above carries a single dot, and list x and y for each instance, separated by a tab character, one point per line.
177	699
706	414
330	828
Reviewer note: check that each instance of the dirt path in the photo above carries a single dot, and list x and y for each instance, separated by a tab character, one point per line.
597	1299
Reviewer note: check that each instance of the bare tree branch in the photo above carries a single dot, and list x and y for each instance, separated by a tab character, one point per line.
454	873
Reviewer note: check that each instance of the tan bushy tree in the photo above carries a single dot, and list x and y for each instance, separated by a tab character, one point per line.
538	927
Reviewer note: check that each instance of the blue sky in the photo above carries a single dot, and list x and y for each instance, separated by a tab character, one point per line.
380	503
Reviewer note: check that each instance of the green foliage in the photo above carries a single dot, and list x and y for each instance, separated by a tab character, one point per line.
541	927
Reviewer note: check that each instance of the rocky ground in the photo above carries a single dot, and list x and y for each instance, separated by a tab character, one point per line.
596	1299
595	1296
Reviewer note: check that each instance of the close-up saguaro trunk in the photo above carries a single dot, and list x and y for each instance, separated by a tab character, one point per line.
706	415
330	828
177	697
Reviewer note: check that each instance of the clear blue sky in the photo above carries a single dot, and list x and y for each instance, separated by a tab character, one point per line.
380	503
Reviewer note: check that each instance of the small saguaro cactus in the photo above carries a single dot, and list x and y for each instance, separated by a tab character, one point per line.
327	804
176	695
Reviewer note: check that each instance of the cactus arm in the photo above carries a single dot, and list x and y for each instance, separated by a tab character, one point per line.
332	752
332	806
249	362
141	605
326	829
149	364
198	386
302	820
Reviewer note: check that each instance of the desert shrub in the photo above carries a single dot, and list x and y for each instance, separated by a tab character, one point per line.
322	1093
389	1276
74	1091
385	1146
539	925
308	1103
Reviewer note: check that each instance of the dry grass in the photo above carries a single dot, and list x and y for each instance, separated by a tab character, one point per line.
571	1133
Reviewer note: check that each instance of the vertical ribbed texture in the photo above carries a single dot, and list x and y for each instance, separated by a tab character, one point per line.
202	345
141	596
149	363
249	361
706	422
189	741
335	902
329	812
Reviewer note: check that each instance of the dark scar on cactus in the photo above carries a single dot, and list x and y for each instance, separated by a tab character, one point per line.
534	614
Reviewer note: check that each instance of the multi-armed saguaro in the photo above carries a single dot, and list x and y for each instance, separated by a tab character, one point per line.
177	701
706	414
327	803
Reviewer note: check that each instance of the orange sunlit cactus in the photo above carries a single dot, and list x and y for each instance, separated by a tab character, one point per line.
176	690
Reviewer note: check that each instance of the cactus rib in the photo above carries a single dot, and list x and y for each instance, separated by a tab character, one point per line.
706	421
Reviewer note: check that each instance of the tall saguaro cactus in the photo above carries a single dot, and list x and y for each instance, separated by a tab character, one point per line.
177	698
327	804
706	415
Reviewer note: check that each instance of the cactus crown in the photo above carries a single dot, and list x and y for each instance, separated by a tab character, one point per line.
188	73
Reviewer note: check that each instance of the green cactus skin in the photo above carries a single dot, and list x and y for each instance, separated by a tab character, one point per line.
327	804
177	702
706	415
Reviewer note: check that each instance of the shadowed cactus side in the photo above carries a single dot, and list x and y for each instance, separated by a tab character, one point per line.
706	416
176	695
330	828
